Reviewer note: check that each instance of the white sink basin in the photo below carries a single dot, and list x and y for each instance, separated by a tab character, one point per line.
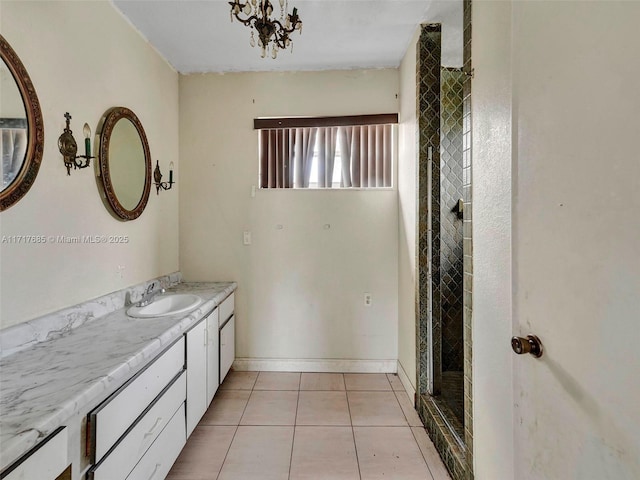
164	305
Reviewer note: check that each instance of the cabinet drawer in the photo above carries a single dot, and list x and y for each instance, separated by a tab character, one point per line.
47	461
227	347
159	459
123	458
110	421
226	309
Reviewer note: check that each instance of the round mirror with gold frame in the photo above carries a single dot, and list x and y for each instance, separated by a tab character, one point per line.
124	163
21	128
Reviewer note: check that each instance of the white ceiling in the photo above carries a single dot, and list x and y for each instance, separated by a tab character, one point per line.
198	36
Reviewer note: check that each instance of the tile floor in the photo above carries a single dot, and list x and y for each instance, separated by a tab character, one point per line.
320	426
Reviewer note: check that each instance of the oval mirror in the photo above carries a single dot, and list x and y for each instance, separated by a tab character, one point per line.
124	163
21	128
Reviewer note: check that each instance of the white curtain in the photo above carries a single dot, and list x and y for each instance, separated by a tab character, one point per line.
327	141
305	142
366	155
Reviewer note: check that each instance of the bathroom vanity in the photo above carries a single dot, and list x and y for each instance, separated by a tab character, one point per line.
115	397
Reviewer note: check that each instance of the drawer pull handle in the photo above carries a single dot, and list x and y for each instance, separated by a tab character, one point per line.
155	425
155	470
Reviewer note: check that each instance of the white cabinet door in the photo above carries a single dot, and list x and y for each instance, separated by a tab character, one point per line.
227	347
212	355
196	374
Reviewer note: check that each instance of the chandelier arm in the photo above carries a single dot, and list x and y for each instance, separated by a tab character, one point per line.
247	21
283	28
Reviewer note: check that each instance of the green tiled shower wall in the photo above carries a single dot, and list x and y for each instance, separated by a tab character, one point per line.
451	81
443	299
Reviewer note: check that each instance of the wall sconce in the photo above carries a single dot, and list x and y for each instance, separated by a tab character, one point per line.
157	176
68	147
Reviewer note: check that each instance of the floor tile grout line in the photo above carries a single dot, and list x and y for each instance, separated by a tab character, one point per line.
401	409
353	434
235	433
422	453
227	452
295	422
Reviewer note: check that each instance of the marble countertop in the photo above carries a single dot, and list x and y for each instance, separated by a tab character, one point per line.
43	386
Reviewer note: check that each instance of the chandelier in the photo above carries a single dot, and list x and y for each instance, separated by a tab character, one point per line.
258	18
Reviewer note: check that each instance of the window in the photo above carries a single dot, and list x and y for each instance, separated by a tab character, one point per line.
327	152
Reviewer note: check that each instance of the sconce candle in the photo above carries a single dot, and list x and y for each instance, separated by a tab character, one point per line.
87	140
170	172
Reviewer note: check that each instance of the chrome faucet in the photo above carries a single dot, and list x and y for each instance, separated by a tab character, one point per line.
149	295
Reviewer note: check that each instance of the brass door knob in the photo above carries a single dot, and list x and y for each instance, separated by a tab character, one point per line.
531	344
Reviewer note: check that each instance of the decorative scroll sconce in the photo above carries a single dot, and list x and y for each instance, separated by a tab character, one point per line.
157	177
68	147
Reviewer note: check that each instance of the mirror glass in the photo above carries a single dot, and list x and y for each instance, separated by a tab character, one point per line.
13	127
124	163
21	128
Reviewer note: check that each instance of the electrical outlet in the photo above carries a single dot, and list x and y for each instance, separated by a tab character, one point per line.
367	299
120	271
246	238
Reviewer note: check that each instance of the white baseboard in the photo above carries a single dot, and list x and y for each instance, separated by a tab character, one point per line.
406	383
315	365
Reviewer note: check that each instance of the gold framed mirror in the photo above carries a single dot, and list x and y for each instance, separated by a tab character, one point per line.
21	128
124	163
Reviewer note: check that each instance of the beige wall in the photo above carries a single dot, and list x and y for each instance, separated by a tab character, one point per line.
301	286
407	205
83	57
